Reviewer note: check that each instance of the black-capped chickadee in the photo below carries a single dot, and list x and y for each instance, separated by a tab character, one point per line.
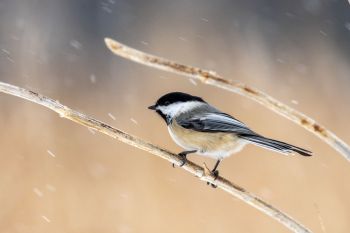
200	128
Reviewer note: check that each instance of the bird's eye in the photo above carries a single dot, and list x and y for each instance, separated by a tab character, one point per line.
167	102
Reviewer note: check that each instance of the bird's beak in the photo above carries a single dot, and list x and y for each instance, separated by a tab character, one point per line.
153	107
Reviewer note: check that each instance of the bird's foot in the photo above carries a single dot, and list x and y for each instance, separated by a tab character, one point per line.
183	157
215	173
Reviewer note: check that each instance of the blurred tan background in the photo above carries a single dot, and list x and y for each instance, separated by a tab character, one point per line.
56	176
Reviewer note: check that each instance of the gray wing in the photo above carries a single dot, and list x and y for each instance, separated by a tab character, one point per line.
222	122
214	122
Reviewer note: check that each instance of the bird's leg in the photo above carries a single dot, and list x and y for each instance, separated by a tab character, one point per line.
215	173
183	155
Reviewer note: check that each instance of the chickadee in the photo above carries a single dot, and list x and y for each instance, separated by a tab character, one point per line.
200	128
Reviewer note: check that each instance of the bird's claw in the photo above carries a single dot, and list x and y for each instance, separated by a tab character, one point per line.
216	175
184	159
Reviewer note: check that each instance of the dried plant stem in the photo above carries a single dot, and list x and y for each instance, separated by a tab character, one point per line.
202	173
211	78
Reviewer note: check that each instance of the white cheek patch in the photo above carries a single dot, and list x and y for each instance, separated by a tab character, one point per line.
177	108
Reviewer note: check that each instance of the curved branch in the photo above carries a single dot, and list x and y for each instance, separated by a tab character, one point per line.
202	173
211	78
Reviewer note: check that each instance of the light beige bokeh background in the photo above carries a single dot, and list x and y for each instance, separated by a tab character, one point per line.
56	176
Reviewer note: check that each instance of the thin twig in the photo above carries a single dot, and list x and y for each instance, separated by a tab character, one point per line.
211	78
191	167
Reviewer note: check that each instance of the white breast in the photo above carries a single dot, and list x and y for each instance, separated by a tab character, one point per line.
179	141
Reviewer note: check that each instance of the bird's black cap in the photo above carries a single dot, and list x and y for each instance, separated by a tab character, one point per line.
175	97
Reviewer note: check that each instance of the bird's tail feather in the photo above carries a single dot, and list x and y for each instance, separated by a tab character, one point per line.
275	145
